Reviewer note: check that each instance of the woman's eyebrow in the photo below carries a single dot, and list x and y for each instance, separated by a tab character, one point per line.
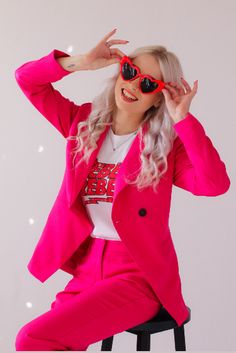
150	76
153	77
146	73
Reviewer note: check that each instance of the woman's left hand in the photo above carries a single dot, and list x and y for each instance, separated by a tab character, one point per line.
177	100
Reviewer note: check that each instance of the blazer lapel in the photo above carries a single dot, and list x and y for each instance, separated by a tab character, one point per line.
75	178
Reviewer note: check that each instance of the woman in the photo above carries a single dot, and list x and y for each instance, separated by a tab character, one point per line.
108	230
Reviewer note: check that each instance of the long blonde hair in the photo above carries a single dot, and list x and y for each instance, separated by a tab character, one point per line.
159	136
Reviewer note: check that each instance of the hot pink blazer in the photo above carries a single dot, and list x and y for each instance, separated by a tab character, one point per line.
140	218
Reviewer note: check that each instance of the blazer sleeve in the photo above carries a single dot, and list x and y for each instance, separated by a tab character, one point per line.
198	167
35	80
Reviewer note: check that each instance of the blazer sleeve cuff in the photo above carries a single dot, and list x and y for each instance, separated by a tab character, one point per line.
43	70
188	127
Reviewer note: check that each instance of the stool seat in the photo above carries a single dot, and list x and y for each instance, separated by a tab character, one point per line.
162	321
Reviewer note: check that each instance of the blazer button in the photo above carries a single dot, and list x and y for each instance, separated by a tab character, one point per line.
142	211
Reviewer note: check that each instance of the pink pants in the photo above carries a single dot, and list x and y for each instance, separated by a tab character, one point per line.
107	295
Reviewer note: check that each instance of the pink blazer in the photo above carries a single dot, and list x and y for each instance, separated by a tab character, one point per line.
193	164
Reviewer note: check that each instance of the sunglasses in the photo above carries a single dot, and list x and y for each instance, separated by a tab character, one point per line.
129	72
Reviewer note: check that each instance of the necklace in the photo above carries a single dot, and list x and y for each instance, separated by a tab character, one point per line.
115	148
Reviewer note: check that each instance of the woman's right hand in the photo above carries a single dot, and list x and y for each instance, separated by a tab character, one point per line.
102	55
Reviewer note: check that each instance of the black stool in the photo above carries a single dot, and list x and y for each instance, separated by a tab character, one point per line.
161	322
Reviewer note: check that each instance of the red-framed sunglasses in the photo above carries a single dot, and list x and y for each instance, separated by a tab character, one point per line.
129	72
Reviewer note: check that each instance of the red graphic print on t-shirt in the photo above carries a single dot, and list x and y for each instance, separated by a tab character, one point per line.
100	183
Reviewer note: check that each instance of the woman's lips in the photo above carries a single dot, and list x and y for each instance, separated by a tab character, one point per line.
127	99
132	95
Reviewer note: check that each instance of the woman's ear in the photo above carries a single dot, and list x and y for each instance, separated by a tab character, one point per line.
158	100
157	103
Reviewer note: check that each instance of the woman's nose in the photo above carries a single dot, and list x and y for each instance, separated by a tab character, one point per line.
134	84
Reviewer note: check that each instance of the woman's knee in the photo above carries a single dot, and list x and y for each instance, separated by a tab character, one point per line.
26	340
22	341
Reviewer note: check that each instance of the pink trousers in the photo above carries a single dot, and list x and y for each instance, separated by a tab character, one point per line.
107	295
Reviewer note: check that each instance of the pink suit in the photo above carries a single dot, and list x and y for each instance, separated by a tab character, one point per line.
193	164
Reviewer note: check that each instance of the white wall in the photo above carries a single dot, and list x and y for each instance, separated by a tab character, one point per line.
202	34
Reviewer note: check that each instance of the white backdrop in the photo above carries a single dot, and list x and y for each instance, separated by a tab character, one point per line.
202	34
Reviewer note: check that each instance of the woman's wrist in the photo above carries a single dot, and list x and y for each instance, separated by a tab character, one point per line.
73	63
180	116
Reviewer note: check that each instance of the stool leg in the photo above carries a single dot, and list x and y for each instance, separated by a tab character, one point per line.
143	341
107	344
179	338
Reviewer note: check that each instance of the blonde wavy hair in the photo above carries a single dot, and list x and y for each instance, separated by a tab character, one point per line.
159	137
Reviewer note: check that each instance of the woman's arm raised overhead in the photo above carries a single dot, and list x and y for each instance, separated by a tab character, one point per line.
35	80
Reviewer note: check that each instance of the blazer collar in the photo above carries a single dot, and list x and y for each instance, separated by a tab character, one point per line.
129	167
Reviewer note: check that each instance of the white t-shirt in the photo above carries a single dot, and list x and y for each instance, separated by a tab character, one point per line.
97	192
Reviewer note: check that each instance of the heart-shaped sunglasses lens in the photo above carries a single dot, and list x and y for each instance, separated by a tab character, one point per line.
128	71
147	85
